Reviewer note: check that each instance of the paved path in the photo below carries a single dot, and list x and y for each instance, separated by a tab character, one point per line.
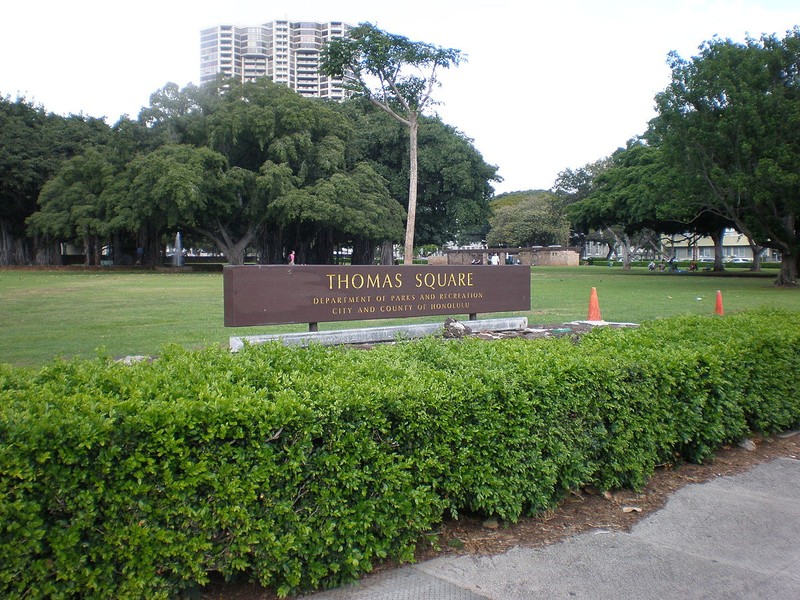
732	538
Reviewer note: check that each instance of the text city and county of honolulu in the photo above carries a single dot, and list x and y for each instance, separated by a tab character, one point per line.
397	303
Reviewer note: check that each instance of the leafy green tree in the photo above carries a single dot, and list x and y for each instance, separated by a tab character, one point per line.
528	218
455	190
624	198
574	185
258	121
396	75
731	119
33	145
23	171
247	196
168	190
279	146
281	178
174	115
70	203
638	195
129	138
349	207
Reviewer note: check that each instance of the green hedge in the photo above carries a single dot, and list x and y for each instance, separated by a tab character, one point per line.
683	265
302	468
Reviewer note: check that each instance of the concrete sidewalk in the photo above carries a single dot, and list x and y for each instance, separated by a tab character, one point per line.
734	537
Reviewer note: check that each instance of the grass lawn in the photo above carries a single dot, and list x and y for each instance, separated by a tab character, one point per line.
46	314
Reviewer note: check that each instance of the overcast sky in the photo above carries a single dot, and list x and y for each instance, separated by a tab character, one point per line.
547	85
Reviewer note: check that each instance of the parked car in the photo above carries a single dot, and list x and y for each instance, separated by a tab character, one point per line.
740	260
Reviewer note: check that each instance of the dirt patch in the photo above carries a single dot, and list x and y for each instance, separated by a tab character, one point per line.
580	511
590	509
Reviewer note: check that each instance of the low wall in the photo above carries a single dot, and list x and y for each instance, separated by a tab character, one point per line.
368	335
539	257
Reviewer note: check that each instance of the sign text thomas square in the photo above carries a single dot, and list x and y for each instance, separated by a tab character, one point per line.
274	294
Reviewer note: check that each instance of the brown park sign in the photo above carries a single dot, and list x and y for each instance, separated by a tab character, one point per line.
269	295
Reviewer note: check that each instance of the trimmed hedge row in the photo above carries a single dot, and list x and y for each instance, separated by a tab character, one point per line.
683	264
301	468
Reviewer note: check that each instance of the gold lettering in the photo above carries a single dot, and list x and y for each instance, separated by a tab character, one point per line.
395	308
460	295
443	280
432	281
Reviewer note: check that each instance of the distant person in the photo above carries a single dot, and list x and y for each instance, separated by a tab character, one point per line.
495	259
291	257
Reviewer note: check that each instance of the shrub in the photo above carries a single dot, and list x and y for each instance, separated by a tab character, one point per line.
302	468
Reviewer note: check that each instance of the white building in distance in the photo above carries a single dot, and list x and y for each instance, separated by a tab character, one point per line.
287	52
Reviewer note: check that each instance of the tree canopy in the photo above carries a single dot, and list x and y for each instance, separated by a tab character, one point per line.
528	218
241	167
731	119
33	146
724	151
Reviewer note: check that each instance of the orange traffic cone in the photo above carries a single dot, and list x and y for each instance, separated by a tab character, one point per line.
719	310
594	307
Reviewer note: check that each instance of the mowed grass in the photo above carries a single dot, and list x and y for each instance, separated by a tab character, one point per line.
50	314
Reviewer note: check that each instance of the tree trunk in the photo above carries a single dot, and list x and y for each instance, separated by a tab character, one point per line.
756	250
387	253
14	250
87	250
234	252
97	249
717	237
45	250
153	247
363	252
788	275
408	251
270	246
325	247
6	242
626	252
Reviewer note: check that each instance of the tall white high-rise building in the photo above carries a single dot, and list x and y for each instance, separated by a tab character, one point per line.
287	52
